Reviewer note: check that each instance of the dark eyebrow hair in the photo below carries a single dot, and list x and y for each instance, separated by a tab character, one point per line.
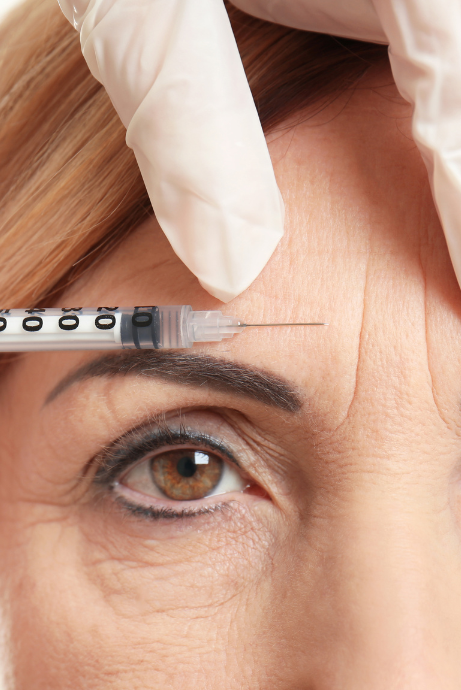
189	370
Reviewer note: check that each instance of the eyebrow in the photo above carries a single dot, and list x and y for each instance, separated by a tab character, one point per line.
192	370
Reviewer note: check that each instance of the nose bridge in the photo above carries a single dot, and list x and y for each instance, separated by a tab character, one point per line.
389	575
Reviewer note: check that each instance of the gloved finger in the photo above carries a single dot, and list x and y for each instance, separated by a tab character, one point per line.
348	18
425	55
174	74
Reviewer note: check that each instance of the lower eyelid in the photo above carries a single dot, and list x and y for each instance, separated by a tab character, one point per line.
137	502
160	512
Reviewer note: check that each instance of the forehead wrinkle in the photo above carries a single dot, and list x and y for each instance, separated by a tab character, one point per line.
193	370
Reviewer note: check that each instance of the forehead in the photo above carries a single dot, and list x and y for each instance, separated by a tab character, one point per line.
363	250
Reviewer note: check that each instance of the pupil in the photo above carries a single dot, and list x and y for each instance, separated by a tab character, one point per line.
186	466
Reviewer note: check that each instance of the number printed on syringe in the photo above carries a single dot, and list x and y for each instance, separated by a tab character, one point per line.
112	328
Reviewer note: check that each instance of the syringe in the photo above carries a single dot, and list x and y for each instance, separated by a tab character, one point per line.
112	328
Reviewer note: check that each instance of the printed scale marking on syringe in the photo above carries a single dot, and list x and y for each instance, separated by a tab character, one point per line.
105	328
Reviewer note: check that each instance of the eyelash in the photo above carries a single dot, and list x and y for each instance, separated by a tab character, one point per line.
152	513
130	448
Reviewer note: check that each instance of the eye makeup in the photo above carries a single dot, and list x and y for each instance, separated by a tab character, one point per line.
160	471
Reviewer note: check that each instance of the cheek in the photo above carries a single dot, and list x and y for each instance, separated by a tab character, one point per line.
93	597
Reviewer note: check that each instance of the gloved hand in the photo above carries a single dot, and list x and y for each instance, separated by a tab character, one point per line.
174	74
424	39
194	129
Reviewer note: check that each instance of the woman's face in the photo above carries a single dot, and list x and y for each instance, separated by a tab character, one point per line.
315	542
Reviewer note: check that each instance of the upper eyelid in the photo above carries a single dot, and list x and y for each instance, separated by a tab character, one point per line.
115	459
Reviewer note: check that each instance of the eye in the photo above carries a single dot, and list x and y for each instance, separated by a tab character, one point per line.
160	471
183	474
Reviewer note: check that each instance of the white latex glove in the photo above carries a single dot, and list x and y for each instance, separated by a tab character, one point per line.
174	74
424	39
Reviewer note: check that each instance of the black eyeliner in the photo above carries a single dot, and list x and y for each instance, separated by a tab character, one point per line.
162	513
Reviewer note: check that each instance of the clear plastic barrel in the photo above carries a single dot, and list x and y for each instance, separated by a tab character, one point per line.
174	327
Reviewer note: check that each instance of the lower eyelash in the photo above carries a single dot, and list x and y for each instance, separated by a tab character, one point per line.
161	513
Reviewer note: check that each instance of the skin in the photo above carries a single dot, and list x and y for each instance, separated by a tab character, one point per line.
344	570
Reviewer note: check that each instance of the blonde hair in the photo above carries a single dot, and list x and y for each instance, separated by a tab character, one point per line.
69	185
70	188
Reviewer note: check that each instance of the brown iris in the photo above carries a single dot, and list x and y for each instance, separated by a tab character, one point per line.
186	474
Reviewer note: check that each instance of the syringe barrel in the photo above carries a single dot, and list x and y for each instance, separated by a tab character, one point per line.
111	328
104	328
